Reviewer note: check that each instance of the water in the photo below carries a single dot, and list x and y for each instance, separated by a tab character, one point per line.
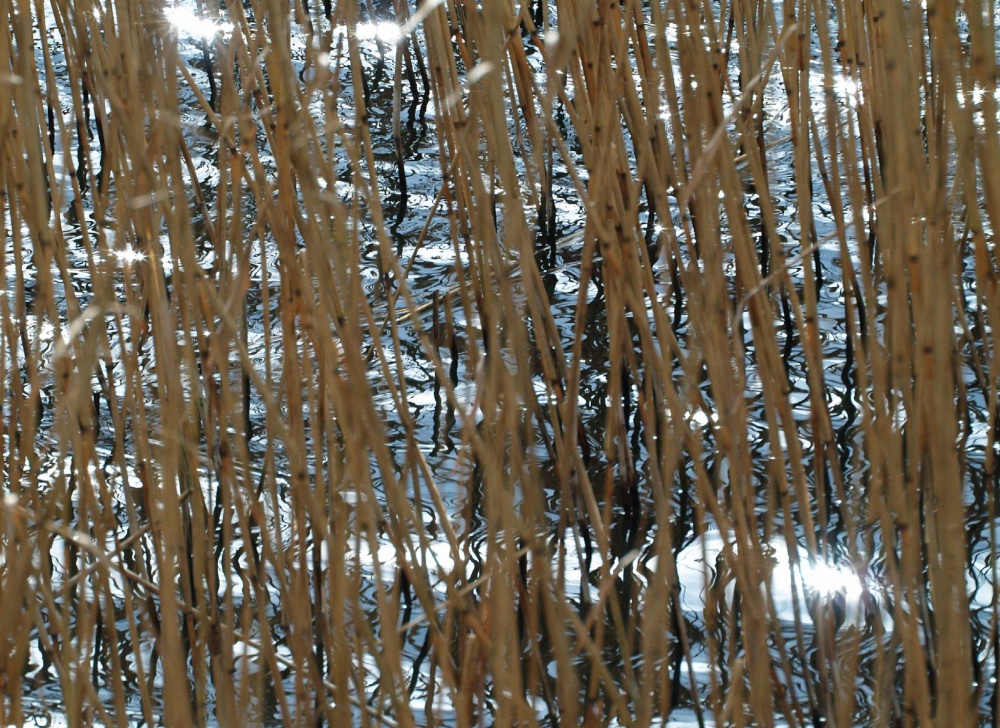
850	577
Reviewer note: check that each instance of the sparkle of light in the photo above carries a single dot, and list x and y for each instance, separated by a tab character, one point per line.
186	22
849	89
387	32
128	255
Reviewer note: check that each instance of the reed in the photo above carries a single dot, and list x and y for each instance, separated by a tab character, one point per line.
696	421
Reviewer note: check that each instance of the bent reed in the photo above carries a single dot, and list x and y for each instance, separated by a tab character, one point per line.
575	363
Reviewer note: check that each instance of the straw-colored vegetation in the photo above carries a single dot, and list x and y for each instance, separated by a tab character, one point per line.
222	502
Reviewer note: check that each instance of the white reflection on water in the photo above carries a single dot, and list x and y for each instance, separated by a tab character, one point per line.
383	31
795	590
386	32
129	255
848	89
186	22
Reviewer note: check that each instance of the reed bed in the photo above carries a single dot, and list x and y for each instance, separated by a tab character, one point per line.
715	330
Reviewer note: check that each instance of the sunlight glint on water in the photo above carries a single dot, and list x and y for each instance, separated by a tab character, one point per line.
185	21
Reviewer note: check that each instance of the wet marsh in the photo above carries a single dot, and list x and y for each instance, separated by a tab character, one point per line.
499	364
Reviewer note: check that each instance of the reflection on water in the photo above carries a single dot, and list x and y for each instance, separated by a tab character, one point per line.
384	32
798	588
186	21
849	89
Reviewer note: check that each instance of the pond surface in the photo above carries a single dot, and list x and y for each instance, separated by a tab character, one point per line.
845	587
